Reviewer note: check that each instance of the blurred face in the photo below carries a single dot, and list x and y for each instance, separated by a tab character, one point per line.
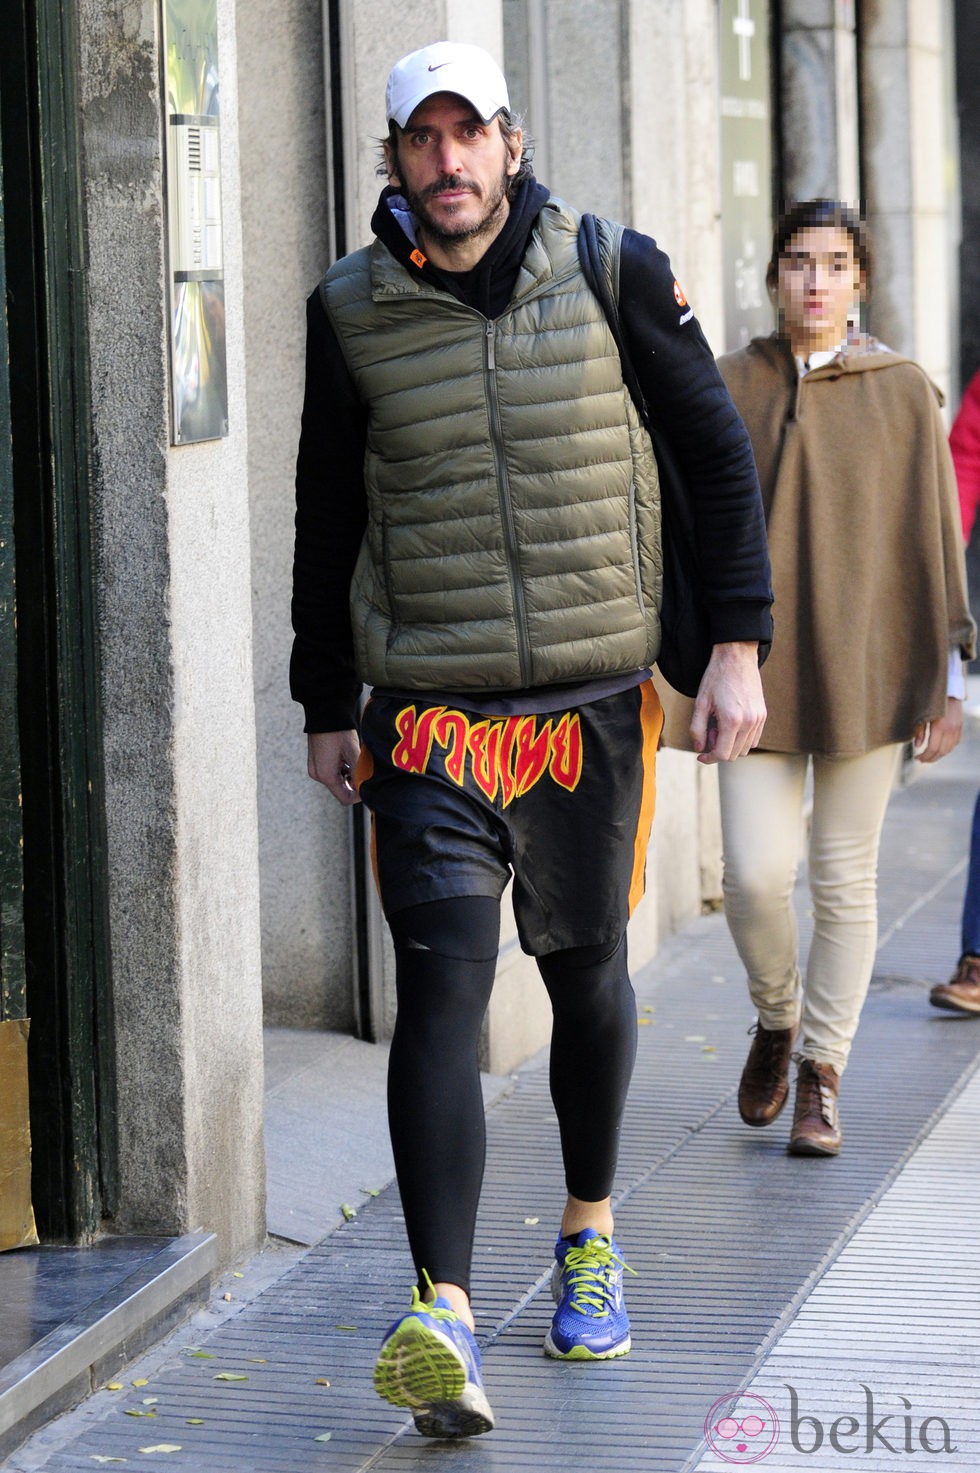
454	170
818	286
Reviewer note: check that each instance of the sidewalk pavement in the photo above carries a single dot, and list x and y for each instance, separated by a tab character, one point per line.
787	1313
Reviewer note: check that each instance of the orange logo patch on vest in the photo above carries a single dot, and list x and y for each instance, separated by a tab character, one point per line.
679	296
417	258
506	755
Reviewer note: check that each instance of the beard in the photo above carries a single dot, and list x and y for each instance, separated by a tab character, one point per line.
445	229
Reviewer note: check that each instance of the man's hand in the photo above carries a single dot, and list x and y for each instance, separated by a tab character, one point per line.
730	710
331	759
934	739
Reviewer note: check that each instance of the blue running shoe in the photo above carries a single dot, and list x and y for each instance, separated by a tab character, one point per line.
590	1322
429	1362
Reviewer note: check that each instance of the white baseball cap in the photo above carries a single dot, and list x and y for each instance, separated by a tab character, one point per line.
446	66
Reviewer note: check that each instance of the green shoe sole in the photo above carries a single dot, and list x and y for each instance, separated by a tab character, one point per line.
416	1369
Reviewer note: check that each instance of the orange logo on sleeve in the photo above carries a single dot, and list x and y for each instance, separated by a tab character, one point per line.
679	296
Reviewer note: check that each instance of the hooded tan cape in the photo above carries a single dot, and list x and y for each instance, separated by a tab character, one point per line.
867	555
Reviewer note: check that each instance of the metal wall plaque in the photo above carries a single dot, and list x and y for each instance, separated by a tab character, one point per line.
746	164
198	372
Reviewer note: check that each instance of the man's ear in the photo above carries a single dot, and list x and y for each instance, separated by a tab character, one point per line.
515	147
391	165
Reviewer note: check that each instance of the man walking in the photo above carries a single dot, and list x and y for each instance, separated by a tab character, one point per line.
477	539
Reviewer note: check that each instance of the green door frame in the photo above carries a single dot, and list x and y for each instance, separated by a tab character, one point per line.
65	909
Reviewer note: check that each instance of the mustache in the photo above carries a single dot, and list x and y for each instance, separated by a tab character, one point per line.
447	182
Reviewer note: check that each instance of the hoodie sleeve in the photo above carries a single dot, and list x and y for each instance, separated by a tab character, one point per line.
692	408
331	514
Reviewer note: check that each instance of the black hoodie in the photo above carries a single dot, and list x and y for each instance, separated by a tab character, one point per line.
679	378
488	287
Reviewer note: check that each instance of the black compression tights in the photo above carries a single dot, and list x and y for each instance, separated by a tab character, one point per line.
445	961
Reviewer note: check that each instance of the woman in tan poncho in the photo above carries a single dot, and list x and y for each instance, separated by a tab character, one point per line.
872	625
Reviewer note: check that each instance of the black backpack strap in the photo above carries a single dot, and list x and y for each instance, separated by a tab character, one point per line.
687	635
599	259
598	251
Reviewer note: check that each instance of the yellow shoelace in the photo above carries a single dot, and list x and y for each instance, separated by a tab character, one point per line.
588	1269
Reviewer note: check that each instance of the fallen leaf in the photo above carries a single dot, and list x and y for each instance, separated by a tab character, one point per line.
201	1355
226	1298
230	1376
114	1386
141	1382
150	1401
643	1020
531	1221
694	1038
650	1008
98	1458
324	1437
709	1048
349	1212
195	1421
162	1447
321	1381
238	1276
345	1327
135	1412
371	1191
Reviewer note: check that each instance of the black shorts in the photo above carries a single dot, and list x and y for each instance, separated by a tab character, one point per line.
563	802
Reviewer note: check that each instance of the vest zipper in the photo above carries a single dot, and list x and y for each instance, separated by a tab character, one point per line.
506	510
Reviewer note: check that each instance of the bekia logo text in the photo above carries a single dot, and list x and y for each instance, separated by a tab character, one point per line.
896	1432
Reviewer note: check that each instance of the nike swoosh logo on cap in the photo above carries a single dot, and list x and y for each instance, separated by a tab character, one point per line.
438	65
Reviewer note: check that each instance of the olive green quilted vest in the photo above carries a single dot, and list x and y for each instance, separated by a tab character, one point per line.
513	535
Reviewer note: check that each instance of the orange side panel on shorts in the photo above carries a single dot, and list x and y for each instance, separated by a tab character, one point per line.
651	723
363	770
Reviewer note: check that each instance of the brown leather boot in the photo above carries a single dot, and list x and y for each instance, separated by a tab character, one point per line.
816	1123
764	1087
961	994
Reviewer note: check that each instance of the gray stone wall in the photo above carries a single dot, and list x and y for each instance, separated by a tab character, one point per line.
303	834
175	645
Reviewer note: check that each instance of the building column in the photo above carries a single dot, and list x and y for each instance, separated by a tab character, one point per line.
910	179
819	121
174	617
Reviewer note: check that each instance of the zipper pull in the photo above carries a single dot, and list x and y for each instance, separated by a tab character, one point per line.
491	350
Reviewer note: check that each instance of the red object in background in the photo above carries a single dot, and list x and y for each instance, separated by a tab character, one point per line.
964	442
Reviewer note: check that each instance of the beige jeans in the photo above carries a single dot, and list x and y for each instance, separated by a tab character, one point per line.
761	815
